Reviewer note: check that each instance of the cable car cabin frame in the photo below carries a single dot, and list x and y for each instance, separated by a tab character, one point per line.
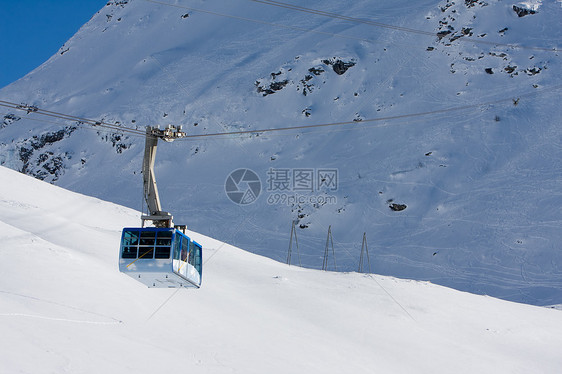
161	257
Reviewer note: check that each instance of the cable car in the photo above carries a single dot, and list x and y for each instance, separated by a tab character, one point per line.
163	255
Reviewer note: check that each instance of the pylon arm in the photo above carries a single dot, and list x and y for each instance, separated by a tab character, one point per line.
156	215
149	180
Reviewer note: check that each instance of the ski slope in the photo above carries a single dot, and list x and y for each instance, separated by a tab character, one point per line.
65	308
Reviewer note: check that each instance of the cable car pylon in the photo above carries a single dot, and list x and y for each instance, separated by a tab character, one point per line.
290	251
329	241
364	249
163	255
158	217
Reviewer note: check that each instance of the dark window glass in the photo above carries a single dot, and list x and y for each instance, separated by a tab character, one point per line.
177	246
198	259
146	253
191	254
164	238
147	238
162	252
129	252
184	249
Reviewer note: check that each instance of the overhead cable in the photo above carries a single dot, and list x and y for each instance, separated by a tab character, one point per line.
357	124
41	120
81	120
388	26
296	28
346	18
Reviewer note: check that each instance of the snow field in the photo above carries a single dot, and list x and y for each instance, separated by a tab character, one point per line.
65	308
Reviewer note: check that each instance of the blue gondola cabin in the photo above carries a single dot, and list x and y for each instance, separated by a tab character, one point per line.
161	257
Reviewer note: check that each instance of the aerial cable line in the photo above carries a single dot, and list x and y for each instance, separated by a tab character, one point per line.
357	124
40	120
351	19
296	28
342	17
344	123
34	109
388	26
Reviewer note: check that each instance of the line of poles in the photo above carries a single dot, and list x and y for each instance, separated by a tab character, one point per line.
364	259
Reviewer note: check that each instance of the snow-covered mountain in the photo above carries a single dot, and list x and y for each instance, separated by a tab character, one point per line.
466	194
65	308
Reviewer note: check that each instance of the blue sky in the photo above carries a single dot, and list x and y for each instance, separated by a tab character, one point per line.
31	31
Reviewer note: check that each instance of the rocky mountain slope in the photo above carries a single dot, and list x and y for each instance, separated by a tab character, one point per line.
447	153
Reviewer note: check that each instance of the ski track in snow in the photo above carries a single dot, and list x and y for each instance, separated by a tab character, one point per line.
65	306
56	319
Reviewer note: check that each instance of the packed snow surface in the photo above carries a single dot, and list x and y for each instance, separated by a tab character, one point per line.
65	308
477	176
